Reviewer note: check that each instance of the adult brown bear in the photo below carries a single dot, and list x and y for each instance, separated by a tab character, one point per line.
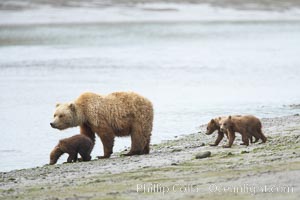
116	114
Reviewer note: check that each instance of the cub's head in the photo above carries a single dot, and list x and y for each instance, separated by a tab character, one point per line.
225	124
212	126
64	116
54	155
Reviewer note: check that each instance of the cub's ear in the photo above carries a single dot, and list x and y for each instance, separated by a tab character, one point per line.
229	117
212	121
72	106
58	104
220	118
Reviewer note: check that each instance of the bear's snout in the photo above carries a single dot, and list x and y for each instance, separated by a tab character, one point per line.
52	125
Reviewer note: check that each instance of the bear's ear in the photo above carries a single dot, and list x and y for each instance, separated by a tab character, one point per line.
229	117
212	121
58	104
220	118
72	106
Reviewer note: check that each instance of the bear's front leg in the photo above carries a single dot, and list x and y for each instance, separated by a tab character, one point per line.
231	137
87	131
219	138
108	143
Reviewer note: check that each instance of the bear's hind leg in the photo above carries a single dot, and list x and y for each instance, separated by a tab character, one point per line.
245	139
147	147
72	157
138	142
147	136
85	156
261	135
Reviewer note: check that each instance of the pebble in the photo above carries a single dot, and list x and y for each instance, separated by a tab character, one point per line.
204	154
243	152
176	150
202	144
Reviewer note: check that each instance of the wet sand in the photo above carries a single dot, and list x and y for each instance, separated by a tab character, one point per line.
170	171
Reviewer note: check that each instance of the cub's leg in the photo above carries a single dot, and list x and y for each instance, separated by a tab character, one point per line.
231	137
219	138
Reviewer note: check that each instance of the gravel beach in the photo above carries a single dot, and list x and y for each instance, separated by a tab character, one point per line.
171	171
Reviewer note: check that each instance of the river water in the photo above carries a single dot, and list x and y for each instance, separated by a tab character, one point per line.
191	70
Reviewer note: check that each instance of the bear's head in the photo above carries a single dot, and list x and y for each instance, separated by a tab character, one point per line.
212	126
65	116
226	124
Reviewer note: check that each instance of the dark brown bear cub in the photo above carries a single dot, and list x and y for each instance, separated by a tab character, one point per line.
73	145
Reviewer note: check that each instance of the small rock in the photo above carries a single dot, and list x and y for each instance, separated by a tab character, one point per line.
201	144
203	155
174	164
243	152
176	150
296	115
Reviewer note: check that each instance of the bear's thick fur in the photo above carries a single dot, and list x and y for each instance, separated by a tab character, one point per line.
72	146
116	114
247	126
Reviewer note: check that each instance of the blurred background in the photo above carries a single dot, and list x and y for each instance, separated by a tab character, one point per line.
194	60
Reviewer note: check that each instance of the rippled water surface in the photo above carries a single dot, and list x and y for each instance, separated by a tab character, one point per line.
191	71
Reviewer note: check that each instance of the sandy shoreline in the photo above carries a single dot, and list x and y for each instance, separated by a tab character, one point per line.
171	165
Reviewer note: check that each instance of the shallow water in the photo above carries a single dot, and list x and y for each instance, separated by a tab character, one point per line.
191	71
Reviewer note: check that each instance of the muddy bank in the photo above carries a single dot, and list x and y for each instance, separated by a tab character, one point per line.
171	171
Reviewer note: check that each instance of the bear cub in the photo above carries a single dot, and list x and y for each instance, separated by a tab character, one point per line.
73	145
247	126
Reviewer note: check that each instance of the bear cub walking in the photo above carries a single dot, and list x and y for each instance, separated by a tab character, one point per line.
247	126
73	145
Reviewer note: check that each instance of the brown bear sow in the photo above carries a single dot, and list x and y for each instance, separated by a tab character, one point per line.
246	125
116	114
72	146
